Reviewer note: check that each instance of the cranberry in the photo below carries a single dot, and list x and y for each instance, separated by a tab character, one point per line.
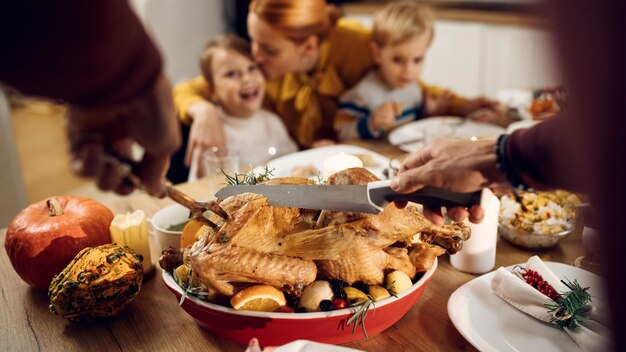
339	303
535	280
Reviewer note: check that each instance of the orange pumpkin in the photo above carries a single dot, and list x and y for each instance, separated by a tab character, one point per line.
44	238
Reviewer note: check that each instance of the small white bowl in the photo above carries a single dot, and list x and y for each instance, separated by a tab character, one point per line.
165	218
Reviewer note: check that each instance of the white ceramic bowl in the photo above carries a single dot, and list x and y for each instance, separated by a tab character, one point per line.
162	220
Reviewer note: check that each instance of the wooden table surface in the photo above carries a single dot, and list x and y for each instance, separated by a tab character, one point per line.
155	322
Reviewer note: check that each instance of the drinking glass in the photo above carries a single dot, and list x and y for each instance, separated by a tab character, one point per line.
216	166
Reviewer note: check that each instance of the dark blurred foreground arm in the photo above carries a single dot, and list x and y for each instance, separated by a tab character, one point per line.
96	56
581	151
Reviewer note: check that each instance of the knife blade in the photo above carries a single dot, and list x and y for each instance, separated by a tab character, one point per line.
370	198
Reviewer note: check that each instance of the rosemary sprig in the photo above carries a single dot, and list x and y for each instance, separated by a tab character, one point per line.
188	287
570	310
248	178
359	316
320	181
389	286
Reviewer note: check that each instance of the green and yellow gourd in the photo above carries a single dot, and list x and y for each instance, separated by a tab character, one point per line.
98	283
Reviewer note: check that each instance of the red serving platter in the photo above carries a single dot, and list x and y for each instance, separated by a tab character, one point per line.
280	328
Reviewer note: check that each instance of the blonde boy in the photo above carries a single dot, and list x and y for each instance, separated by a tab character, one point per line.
392	93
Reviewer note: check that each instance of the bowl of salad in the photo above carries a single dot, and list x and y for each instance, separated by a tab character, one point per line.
540	221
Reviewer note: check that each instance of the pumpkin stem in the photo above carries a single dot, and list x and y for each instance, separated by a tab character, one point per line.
54	208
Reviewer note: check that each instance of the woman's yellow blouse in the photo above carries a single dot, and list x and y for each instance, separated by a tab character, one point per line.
306	102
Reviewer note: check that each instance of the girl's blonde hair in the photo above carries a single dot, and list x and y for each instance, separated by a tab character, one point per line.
297	19
402	20
224	42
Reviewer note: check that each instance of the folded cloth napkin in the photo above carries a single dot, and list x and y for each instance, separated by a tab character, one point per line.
298	346
592	335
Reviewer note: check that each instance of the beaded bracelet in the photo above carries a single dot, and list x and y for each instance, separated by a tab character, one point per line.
503	164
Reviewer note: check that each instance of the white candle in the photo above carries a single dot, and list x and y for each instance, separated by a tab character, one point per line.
132	230
338	162
478	254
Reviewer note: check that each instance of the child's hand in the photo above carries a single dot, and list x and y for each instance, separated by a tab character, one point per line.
384	116
440	104
484	110
206	130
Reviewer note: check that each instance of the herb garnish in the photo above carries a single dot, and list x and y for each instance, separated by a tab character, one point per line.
248	178
188	287
320	181
359	316
569	311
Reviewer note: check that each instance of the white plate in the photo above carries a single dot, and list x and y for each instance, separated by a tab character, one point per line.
283	165
443	126
491	324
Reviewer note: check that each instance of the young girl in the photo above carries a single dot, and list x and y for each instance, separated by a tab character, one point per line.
235	84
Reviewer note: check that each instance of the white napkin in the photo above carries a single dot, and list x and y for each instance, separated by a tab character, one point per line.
592	335
311	346
298	346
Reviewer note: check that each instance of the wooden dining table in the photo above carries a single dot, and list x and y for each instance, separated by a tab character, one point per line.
155	322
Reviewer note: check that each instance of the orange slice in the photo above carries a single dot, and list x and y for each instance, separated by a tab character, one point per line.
188	236
260	298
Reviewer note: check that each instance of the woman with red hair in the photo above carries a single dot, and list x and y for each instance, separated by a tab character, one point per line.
310	56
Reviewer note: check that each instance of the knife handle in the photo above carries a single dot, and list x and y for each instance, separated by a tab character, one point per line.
379	193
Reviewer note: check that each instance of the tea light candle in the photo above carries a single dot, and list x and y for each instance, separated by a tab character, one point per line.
338	162
478	254
132	230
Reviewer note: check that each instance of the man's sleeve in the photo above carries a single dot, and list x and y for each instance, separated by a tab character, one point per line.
549	155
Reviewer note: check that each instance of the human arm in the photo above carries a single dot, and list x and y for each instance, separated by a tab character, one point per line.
97	135
454	164
384	116
483	109
440	102
595	79
358	118
110	75
548	155
193	108
351	124
361	124
543	157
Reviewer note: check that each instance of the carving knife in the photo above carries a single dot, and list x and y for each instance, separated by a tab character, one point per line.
370	198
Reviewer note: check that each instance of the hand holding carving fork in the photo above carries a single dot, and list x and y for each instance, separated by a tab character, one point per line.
196	208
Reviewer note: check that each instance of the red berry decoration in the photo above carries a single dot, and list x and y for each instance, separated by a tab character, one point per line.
535	280
339	303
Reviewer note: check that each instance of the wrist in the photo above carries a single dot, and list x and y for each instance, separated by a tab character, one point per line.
505	166
487	161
